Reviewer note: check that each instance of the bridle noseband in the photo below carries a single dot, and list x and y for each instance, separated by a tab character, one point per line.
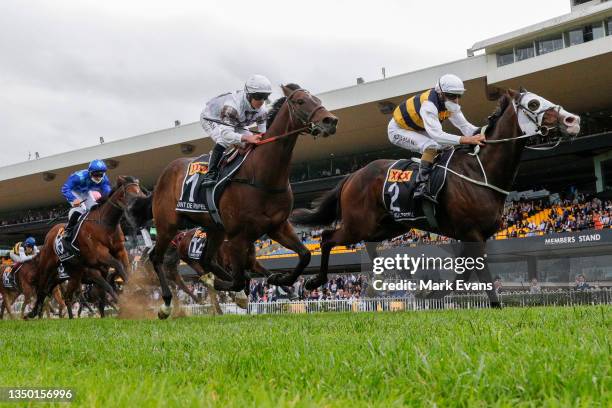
536	118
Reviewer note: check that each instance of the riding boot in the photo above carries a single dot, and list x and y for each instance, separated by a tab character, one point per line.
69	229
210	178
422	181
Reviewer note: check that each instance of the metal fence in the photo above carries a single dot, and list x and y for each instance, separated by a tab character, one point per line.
407	303
455	301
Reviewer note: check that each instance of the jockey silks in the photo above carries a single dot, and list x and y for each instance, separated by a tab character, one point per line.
408	115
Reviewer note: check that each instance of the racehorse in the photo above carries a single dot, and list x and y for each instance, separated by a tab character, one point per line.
72	290
93	294
179	251
26	279
471	202
258	201
100	240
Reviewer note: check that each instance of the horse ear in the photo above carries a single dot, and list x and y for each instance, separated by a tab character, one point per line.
514	94
286	90
120	180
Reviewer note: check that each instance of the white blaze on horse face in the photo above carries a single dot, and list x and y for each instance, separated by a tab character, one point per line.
534	107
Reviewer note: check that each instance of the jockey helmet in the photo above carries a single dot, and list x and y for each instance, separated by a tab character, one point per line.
29	242
96	169
258	86
450	84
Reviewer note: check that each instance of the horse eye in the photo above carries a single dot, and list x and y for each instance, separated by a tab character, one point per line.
300	101
533	105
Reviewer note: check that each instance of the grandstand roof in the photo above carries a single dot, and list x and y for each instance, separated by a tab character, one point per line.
578	77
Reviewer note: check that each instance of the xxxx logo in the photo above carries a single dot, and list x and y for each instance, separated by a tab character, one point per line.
198	167
399	176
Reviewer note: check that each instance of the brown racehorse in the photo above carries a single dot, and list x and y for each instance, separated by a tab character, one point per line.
179	251
81	275
100	240
26	279
467	211
259	204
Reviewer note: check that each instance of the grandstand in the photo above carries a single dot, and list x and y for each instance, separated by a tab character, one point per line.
566	59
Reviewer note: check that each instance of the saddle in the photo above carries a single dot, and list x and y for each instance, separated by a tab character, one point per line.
400	184
197	199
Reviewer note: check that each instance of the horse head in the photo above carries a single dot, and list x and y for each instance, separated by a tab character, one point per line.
309	111
537	115
127	189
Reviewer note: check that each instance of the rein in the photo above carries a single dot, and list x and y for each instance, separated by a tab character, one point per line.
540	131
305	118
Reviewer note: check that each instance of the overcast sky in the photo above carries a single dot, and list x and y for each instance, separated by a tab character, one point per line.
72	71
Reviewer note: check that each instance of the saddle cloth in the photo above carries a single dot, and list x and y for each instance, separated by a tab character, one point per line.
67	250
9	275
400	184
197	199
197	244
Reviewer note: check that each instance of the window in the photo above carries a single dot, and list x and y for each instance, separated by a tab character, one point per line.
524	51
505	58
609	26
549	44
585	34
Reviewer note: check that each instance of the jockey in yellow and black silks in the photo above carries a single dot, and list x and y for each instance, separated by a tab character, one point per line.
417	126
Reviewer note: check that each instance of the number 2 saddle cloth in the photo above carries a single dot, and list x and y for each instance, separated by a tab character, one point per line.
400	184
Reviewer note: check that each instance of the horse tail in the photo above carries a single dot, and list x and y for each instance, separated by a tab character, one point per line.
140	211
326	209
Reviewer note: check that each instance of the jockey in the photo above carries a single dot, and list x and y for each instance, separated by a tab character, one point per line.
238	109
417	126
82	189
21	252
24	251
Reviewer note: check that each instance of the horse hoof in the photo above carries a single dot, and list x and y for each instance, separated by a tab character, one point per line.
241	300
496	305
312	284
208	281
164	312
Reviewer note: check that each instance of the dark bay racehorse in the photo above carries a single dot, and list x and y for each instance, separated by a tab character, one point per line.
100	239
469	210
258	205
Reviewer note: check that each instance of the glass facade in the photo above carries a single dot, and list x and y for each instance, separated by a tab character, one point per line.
556	42
549	44
505	58
524	51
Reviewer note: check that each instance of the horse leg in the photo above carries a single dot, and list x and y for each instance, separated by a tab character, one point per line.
101	306
26	301
238	247
74	284
43	291
477	250
156	257
97	278
208	258
286	236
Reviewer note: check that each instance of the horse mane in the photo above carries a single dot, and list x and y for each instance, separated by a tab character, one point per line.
502	104
278	104
127	179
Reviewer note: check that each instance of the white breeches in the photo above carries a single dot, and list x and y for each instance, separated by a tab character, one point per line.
410	139
87	201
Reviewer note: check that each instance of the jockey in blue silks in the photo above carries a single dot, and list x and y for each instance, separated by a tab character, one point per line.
83	189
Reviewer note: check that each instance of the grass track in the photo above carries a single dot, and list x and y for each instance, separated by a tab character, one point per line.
512	357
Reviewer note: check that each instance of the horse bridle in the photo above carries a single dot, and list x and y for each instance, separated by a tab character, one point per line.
534	118
123	187
305	118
